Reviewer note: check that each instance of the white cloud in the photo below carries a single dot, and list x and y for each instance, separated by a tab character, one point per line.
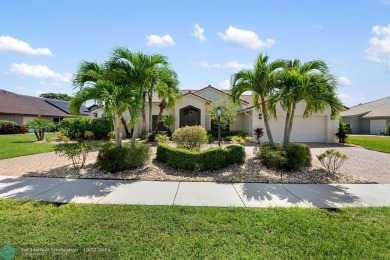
224	84
379	50
245	38
8	43
159	41
344	81
199	33
226	66
39	71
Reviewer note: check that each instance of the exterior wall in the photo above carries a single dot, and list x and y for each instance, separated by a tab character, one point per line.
195	102
16	118
355	124
364	126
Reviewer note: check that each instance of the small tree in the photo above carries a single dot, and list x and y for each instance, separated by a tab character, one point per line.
259	133
229	111
39	126
342	133
332	160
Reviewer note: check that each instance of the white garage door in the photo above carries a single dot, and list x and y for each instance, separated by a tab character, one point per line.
377	126
312	129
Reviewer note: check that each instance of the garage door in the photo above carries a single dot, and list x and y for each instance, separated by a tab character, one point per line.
312	129
377	126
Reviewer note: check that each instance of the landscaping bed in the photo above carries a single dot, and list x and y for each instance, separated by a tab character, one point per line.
251	171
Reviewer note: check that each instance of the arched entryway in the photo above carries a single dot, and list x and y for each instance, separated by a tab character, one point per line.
189	116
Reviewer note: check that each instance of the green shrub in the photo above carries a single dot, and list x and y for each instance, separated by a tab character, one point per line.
388	129
76	152
190	137
11	127
342	132
111	135
75	128
211	138
113	159
210	159
225	134
294	157
241	140
160	138
332	160
151	137
89	135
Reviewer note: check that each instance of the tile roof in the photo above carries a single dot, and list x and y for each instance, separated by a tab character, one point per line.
11	103
377	108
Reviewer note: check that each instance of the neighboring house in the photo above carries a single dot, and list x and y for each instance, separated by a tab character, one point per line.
21	108
191	110
369	118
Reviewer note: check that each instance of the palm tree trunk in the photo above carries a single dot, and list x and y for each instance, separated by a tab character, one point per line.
291	123
266	122
286	127
117	127
135	133
150	96
125	126
162	105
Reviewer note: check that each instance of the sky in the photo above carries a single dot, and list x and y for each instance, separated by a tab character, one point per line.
42	42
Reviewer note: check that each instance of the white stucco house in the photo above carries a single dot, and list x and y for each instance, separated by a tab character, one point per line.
191	110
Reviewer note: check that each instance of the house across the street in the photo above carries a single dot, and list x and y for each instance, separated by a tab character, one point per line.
191	110
368	118
21	108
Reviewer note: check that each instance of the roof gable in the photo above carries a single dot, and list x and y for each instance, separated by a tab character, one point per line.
377	108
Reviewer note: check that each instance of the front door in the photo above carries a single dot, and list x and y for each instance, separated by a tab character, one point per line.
189	116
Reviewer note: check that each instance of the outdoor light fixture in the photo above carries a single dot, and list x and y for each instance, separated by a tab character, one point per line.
260	116
219	111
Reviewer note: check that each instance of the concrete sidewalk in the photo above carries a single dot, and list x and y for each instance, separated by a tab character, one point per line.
194	193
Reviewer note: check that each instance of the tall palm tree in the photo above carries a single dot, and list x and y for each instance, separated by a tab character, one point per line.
260	81
310	82
137	71
168	91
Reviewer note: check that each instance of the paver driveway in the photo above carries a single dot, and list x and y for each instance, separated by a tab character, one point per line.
363	163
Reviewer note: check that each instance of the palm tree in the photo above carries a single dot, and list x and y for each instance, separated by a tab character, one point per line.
260	81
310	82
168	91
114	98
137	71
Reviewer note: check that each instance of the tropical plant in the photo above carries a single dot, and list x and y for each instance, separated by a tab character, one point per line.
332	160
310	82
168	120
259	133
260	81
39	126
137	71
76	152
229	111
342	132
161	138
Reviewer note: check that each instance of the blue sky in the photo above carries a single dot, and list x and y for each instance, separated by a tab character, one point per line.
42	42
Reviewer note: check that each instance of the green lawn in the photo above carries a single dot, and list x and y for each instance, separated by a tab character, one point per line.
376	143
23	144
172	232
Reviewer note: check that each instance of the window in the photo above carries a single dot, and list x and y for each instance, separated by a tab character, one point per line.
56	120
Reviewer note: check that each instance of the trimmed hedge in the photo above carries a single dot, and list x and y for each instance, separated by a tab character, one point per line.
210	159
11	127
294	157
74	128
114	159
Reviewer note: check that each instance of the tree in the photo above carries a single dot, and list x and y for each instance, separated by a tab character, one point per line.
310	82
39	126
57	96
260	81
229	111
137	71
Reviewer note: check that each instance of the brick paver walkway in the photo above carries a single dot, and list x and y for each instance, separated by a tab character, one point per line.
370	165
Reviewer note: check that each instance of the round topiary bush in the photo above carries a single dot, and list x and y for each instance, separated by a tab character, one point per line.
190	137
115	159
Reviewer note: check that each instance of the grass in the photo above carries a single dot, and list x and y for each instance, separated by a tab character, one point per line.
23	144
87	231
376	143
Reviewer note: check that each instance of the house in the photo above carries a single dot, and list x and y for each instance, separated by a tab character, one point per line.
191	110
22	108
368	118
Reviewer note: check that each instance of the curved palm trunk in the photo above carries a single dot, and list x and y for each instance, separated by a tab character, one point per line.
117	127
150	96
135	134
125	127
266	122
290	125
286	127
